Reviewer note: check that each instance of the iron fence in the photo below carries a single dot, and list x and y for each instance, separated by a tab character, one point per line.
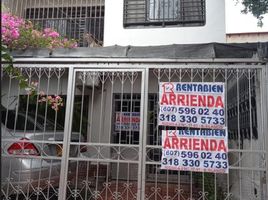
90	149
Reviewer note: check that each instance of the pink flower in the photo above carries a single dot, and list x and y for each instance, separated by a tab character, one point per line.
11	29
15	34
48	32
53	34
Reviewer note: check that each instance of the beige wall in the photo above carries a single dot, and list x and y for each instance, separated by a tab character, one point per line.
247	37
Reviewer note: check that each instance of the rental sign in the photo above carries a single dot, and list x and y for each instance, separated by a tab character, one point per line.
199	106
127	121
195	150
196	105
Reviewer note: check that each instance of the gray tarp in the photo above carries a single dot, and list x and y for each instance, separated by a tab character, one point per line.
176	51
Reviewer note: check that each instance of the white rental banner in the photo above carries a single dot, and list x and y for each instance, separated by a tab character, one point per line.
195	150
195	104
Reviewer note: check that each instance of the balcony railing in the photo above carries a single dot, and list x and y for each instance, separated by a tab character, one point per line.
82	20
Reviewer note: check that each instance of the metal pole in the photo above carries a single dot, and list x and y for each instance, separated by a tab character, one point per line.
67	134
264	92
143	138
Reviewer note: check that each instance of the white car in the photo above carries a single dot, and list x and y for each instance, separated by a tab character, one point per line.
25	167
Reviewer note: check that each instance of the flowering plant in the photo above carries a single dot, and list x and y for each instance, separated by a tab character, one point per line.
20	34
54	100
10	27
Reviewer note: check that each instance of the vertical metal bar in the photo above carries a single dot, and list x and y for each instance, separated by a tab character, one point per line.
191	173
99	22
61	11
238	130
28	102
179	173
91	108
8	95
95	20
264	99
157	131
130	132
123	74
55	125
226	121
167	183
203	174
112	79
49	75
43	14
90	18
101	120
81	24
9	173
74	5
250	124
215	174
46	24
34	10
54	21
21	8
39	10
57	12
143	131
67	133
16	8
87	17
80	127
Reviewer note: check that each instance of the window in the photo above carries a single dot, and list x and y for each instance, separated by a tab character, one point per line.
164	12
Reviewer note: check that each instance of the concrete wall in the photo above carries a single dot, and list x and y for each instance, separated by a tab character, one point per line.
115	33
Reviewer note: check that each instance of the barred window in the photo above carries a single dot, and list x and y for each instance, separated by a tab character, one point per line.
71	22
164	12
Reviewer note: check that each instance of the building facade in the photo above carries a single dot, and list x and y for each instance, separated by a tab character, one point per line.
128	22
146	23
116	159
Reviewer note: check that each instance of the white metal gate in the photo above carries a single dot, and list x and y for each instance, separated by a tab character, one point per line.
111	145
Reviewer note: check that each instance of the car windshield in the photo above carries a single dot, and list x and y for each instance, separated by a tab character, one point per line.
20	119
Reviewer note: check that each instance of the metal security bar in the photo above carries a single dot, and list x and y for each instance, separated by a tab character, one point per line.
112	147
82	20
164	12
110	165
32	134
246	155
